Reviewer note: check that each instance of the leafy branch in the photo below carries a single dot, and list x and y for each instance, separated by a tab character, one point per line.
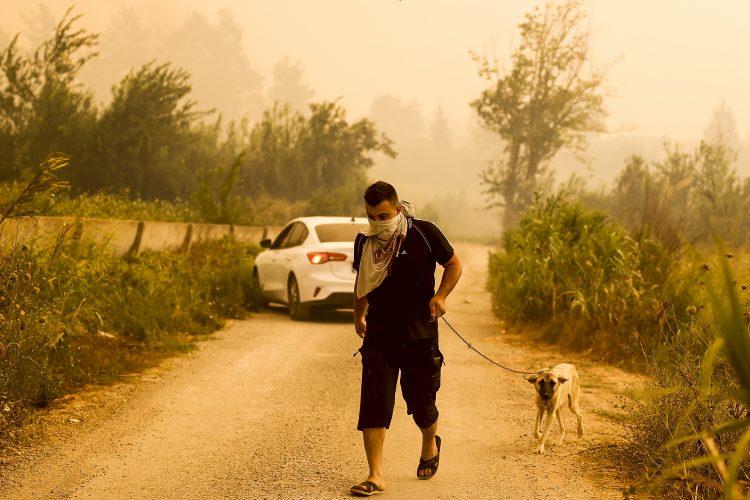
44	181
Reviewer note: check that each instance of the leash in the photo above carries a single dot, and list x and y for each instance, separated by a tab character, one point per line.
470	346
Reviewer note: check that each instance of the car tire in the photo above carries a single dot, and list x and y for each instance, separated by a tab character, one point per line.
260	299
297	310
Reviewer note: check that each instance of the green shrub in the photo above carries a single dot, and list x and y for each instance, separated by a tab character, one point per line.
121	206
582	274
75	313
589	282
693	388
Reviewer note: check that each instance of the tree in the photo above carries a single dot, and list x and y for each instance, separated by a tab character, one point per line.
288	86
216	197
146	135
686	197
221	74
722	129
403	122
441	134
43	108
549	99
319	155
125	44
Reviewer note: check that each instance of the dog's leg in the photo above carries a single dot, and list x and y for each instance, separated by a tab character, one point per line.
543	438
573	405
558	412
537	423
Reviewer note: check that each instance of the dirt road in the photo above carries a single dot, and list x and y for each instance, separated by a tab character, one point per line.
267	409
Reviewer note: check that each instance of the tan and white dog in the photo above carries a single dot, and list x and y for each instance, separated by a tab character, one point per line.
553	387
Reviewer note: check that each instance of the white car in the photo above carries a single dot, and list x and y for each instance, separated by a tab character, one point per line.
309	264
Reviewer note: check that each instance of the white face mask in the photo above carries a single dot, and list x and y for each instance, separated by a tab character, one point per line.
383	229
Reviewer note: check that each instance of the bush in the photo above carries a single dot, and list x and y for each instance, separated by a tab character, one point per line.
75	313
589	282
692	389
121	206
152	141
684	198
582	274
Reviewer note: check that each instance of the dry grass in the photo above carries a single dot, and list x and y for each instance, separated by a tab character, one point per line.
589	284
76	314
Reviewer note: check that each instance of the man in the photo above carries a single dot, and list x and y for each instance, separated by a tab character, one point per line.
395	311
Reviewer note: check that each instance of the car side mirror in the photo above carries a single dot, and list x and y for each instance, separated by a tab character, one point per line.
265	243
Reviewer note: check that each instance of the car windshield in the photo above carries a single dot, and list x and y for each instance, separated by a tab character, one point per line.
338	232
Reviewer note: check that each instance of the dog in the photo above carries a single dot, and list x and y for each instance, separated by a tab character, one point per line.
552	388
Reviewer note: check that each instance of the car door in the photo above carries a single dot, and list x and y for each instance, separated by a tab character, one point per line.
270	267
287	255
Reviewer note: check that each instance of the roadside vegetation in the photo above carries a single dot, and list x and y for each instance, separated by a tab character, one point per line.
261	211
151	151
583	280
631	274
74	313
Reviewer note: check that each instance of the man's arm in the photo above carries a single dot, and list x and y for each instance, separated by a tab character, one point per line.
360	309
451	274
360	305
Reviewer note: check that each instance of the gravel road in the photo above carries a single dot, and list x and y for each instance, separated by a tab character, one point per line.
267	408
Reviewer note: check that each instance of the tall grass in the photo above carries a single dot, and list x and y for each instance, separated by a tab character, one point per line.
687	425
585	278
65	313
260	211
588	282
74	313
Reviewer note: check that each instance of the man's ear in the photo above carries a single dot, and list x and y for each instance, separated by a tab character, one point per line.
531	379
561	380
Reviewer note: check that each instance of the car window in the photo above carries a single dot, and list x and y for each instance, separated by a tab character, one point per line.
296	237
283	235
303	235
338	232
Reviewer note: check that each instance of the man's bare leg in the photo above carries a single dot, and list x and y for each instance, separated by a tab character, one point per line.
374	437
429	447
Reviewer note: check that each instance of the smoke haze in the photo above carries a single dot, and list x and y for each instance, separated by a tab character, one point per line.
407	65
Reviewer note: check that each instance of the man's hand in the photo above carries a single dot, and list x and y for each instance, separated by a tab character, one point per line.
360	326
437	307
450	278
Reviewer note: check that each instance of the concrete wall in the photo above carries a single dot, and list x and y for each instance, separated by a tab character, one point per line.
123	236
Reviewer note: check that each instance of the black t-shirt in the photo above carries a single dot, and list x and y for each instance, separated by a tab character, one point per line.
403	298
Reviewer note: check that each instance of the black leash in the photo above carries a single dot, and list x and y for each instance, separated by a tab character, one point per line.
470	346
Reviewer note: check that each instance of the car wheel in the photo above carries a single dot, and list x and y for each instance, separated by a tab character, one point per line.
297	310
260	299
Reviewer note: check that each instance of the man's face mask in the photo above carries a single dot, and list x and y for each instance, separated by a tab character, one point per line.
383	228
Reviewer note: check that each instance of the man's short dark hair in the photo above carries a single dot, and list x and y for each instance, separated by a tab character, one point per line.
379	192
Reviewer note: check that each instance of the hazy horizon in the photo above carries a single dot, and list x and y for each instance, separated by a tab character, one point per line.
671	65
674	62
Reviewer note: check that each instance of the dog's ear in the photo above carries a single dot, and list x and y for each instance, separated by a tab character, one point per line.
531	379
561	380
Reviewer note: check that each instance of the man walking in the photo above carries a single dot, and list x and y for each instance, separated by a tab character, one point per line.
395	311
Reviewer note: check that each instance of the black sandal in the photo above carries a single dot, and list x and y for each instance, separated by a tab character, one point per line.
365	489
431	464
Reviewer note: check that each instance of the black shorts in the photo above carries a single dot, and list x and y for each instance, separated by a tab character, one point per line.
384	353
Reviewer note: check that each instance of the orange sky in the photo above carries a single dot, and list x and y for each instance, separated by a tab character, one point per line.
677	59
